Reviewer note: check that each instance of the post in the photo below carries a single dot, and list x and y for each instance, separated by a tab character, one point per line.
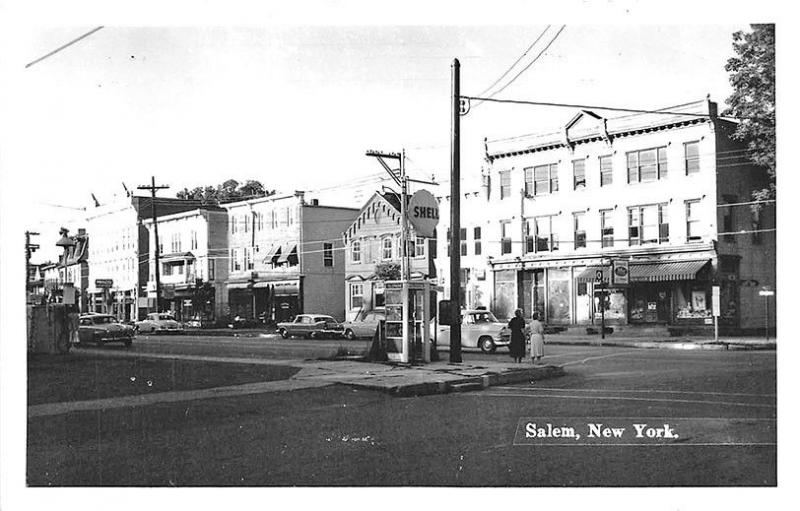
156	250
766	318
455	217
603	286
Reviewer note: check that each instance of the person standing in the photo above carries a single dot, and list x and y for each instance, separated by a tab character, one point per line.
537	339
517	344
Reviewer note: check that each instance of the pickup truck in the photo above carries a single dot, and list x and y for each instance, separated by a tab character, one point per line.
311	326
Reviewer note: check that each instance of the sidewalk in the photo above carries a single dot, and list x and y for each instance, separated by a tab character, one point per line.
654	342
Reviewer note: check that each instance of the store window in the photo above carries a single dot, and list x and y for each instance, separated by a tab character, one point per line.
693	301
579	174
647	165
558	297
606	171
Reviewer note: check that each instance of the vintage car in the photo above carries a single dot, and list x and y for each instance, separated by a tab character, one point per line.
311	326
364	325
103	328
159	322
479	329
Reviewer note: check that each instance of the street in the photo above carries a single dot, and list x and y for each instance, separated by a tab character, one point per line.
339	435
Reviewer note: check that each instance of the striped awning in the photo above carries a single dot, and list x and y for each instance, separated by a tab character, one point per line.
650	272
286	252
273	251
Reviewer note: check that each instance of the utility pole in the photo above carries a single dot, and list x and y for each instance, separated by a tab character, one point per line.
29	249
153	188
455	216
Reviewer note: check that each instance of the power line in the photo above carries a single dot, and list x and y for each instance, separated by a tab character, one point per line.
532	62
84	36
516	61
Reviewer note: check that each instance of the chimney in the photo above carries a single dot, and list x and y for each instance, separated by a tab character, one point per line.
315	202
712	107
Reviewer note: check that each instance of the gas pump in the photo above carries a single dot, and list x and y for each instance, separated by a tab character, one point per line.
408	317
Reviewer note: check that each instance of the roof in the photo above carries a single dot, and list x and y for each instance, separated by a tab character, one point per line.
588	126
388	199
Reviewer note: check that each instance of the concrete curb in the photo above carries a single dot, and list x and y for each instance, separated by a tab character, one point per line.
674	345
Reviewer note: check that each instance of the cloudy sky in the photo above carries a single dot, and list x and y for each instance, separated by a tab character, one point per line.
296	106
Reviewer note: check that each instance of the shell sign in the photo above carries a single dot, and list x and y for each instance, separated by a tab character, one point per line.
423	213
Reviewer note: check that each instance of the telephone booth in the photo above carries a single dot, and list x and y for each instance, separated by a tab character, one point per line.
407	328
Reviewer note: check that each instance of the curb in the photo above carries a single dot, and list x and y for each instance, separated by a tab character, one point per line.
673	345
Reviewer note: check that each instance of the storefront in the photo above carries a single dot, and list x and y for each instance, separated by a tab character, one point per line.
264	300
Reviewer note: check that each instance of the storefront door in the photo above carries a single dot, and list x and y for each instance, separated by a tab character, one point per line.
650	303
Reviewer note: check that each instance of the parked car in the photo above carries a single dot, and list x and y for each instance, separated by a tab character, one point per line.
103	328
311	326
159	322
364	325
479	329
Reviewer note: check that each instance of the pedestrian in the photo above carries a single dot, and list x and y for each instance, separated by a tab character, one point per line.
537	338
517	327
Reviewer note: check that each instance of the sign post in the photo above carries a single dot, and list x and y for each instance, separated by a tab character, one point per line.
715	310
766	292
598	277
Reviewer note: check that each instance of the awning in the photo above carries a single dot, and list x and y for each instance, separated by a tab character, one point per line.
285	253
238	285
176	256
273	251
650	272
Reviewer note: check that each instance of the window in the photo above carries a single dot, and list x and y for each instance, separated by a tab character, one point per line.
476	234
728	224
175	242
248	258
505	237
530	238
463	240
579	221
647	165
246	223
327	255
693	221
607	227
546	240
356	295
193	240
166	270
387	248
378	298
648	224
545	179
274	219
757	225
212	269
419	246
579	174
236	264
606	171
288	215
180	268
355	251
449	234
505	184
529	190
691	157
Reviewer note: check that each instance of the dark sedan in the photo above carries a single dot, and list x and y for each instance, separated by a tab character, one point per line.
103	328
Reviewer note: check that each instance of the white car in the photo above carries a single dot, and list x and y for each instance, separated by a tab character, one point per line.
479	329
159	322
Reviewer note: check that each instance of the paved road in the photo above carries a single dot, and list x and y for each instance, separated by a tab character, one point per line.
340	436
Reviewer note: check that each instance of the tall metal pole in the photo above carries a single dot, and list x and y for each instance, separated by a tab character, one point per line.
156	251
455	216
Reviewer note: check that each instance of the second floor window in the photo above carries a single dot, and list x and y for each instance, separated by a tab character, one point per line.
463	241
175	246
193	242
505	237
606	171
579	174
545	179
607	228
327	255
546	239
212	269
579	221
693	221
648	224
355	252
505	184
387	248
691	157
477	237
647	165
419	247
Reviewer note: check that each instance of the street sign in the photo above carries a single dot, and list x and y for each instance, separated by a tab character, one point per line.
766	292
104	283
463	106
715	300
620	273
598	276
423	213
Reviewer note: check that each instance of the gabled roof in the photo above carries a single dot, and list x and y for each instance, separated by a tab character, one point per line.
389	201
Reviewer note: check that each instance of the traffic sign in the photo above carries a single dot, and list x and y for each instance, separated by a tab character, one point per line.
766	292
104	283
598	276
715	300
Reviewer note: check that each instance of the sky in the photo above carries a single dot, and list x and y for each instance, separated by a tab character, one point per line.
296	107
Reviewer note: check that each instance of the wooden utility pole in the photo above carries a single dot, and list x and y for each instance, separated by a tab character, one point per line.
153	188
455	216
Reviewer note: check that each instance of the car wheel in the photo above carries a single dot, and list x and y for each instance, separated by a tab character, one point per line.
284	333
349	334
486	344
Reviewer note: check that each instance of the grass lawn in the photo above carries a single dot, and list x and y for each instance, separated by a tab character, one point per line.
78	377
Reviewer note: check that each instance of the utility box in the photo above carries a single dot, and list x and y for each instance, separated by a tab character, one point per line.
408	318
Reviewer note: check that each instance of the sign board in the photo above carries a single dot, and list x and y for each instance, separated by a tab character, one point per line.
423	213
620	273
104	283
142	302
715	300
766	292
598	276
68	294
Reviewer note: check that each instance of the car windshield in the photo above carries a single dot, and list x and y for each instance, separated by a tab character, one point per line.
317	319
164	317
101	320
484	317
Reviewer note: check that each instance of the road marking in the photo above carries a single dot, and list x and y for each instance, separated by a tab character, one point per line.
621	398
637	390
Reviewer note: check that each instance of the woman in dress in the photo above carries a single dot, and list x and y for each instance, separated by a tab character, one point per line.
517	345
537	339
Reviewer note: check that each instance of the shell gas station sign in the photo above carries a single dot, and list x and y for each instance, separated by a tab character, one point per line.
423	213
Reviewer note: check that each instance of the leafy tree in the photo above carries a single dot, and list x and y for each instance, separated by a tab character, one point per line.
228	191
388	271
752	75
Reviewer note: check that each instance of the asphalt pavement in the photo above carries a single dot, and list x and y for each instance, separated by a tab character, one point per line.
721	403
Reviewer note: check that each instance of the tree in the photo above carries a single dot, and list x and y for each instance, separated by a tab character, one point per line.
752	75
228	191
387	271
